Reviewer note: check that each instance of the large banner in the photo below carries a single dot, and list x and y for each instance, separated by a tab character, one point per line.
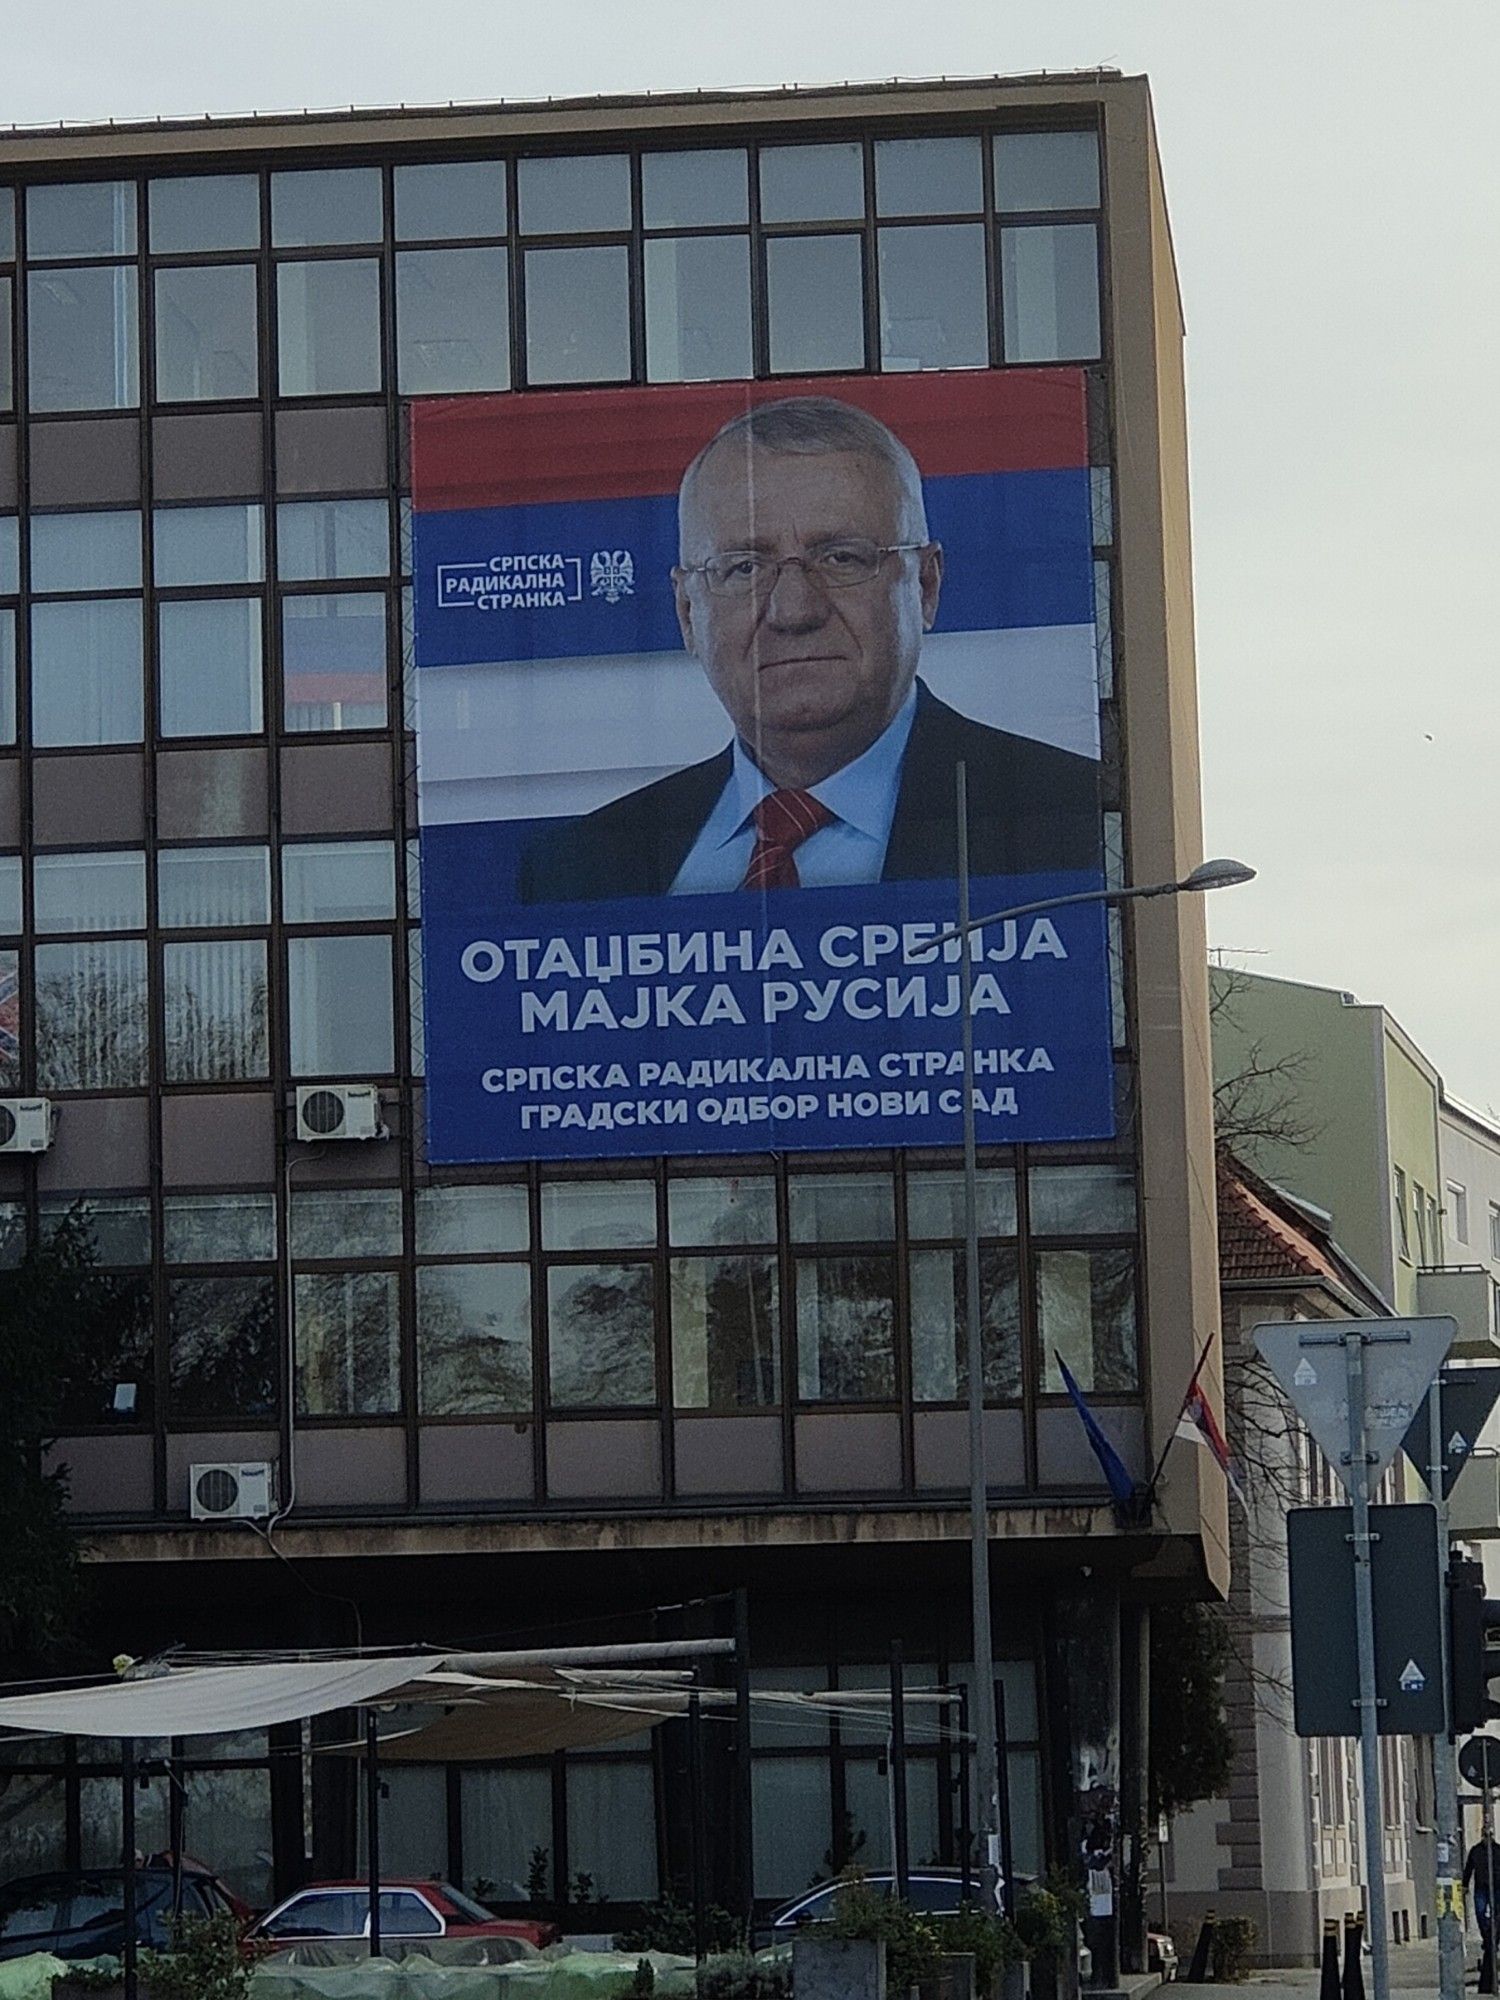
696	669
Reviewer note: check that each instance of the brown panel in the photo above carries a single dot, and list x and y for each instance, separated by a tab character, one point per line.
1063	1454
364	1468
848	1451
100	1143
941	1449
79	463
335	788
8	488
475	1462
229	1138
211	794
212	456
10	801
212	1448
372	1162
106	1475
76	801
604	1461
727	1454
331	451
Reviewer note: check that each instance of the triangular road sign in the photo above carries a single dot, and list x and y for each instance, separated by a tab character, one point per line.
1401	1357
1469	1395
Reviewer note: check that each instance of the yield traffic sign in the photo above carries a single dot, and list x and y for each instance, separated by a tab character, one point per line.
1401	1357
1468	1396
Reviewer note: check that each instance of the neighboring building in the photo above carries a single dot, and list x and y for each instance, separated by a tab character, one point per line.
209	335
1284	1847
1469	1151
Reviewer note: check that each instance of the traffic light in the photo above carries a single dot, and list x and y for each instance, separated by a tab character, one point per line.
1473	1645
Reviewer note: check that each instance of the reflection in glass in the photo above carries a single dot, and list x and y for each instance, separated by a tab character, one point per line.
209	667
1083	1200
7	676
452	321
328	326
10	893
812	183
846	1319
729	1209
475	1221
346	1222
348	1334
578	315
207	345
338	881
842	1208
612	1825
91	1014
117	1228
473	1339
208	545
933	309
793	1821
602	1337
339	993
928	177
698	308
506	1814
221	1346
86	672
199	887
1049	289
940	1321
205	212
598	1215
7	224
569	196
333	662
218	1228
1039	170
110	1379
724	1333
1086	1312
7	374
214	1008
321	540
93	551
81	338
10	555
935	1203
695	190
89	892
815	299
867	1801
81	219
326	205
450	198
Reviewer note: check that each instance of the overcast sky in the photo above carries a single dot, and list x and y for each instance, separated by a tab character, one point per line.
1336	210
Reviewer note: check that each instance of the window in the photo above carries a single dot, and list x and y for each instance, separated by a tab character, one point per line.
208	545
836	1208
725	1332
85	552
812	183
1458	1211
219	1228
210	887
1049	290
933	307
939	1324
697	308
328	326
731	1209
1046	170
565	197
333	661
473	1339
10	555
81	219
205	212
452	321
209	666
338	881
450	199
91	1015
215	1006
7	676
1403	1226
471	1221
222	1341
323	540
1419	1219
695	190
601	1335
10	893
1495	1232
815	300
89	892
598	1215
82	338
346	1222
846	1319
578	314
7	224
86	672
1086	1313
928	177
340	997
7	373
348	1334
207	344
1082	1201
326	205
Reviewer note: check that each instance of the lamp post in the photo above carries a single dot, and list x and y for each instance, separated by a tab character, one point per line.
1207	875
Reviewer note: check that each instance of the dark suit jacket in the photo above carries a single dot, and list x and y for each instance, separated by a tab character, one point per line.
1032	807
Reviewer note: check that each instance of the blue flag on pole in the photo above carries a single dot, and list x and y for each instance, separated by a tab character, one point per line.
1117	1475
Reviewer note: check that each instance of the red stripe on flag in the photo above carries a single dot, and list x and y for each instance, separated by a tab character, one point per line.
612	444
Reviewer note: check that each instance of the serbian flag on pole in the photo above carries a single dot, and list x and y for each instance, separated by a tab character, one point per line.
1199	1425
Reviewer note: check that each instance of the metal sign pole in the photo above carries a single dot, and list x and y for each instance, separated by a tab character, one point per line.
1488	1938
1450	1846
1364	1625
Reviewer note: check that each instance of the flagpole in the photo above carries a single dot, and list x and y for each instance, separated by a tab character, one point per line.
1187	1394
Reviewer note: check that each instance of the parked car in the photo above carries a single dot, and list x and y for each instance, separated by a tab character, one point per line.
937	1891
407	1910
81	1913
1161	1954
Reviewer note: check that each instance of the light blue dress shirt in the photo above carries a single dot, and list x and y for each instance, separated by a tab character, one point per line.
851	848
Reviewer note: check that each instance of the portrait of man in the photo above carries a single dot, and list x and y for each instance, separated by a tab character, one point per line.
806	580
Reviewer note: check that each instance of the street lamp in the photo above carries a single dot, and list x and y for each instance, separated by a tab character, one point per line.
1207	875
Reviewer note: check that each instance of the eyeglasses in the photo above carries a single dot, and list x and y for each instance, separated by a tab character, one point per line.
835	566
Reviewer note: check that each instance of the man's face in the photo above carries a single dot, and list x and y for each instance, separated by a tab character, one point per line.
809	675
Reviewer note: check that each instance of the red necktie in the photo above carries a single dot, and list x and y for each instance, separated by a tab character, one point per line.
783	820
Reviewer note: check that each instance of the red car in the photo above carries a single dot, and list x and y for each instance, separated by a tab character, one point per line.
407	1910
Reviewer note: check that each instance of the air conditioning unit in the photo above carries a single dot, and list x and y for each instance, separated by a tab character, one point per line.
233	1492
339	1111
25	1124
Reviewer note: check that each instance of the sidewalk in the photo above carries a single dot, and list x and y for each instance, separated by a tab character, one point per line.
1413	1971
